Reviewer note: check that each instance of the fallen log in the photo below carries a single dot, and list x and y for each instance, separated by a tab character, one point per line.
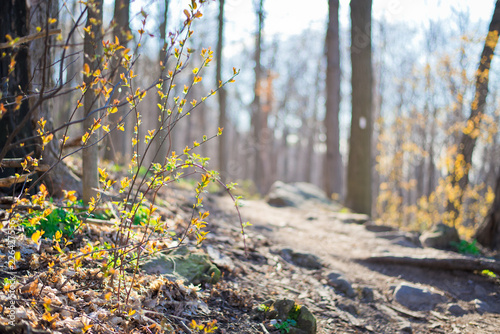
449	263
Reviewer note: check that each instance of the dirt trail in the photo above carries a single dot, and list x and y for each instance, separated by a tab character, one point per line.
326	234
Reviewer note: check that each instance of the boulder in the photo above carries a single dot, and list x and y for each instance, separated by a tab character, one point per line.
190	266
440	236
416	298
295	194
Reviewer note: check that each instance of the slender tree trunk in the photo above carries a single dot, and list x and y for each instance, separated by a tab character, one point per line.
92	50
257	114
333	161
221	94
162	143
118	147
60	177
359	173
431	172
459	176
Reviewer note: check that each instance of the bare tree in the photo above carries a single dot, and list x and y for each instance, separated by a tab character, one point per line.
118	142
222	92
333	160
14	123
161	145
92	49
32	75
359	195
257	114
459	175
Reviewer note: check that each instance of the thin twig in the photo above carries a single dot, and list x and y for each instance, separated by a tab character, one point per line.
29	38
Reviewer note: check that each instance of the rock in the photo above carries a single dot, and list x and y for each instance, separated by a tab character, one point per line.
295	194
405	327
341	284
304	260
479	291
286	310
220	260
406	239
191	266
440	236
348	307
482	306
367	295
416	298
456	310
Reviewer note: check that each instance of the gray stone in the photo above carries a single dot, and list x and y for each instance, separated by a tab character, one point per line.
456	310
482	306
295	194
416	298
479	291
405	327
304	260
367	294
219	259
348	307
189	265
440	236
341	284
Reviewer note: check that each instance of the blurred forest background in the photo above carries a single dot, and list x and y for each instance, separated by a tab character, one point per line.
396	96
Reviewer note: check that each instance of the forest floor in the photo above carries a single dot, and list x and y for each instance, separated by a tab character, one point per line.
339	243
266	273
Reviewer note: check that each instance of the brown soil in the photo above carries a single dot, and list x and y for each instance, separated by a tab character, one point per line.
339	244
250	280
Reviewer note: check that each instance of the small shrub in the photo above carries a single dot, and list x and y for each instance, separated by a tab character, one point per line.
284	326
468	248
59	219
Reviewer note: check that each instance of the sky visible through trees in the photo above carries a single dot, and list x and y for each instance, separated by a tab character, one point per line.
424	58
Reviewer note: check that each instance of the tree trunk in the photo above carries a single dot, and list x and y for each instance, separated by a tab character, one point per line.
15	83
488	233
92	49
359	173
459	175
333	161
118	147
162	143
257	114
17	125
60	177
221	95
